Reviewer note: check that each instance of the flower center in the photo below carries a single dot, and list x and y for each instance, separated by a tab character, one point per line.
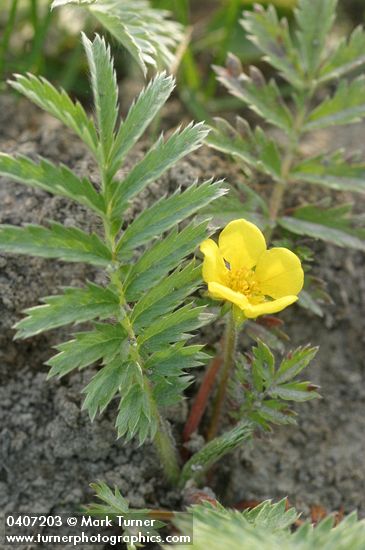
243	280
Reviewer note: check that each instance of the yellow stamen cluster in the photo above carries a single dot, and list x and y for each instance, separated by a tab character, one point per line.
243	280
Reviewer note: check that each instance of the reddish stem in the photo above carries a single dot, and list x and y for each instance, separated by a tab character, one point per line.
201	399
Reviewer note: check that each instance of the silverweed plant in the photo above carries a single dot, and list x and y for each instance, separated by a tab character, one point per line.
321	86
141	321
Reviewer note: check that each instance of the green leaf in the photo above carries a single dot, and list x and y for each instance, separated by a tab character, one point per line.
166	213
58	104
147	33
348	55
271	36
140	114
323	231
271	411
161	258
59	3
171	360
294	391
307	301
135	414
165	296
240	202
105	341
276	517
294	363
265	527
58	180
173	327
105	89
256	149
215	450
261	97
159	158
112	501
264	362
346	106
168	391
76	305
315	23
103	387
65	243
333	172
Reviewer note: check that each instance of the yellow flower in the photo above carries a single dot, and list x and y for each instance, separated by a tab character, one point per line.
241	270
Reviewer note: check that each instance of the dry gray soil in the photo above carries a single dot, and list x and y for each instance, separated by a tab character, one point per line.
49	450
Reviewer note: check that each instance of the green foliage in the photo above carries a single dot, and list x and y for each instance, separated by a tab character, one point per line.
76	305
148	34
307	63
112	503
65	243
268	527
332	225
103	78
58	180
140	115
214	450
141	320
262	390
58	104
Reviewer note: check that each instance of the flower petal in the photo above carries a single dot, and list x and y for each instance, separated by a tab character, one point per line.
265	308
222	292
214	268
279	273
241	243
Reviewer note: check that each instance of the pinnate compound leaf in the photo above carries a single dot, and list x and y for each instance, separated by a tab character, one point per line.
140	114
104	342
315	22
105	89
65	243
163	256
58	104
261	97
333	172
166	213
347	56
158	159
58	180
346	106
271	36
76	305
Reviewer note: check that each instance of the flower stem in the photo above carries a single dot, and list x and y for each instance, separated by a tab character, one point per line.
229	352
